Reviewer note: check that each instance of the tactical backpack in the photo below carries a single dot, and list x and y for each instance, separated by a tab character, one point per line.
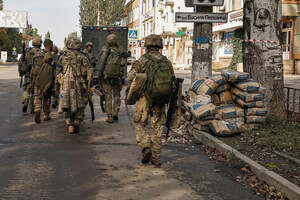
160	80
37	63
113	65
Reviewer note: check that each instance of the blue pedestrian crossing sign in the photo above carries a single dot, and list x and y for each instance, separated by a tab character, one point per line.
133	34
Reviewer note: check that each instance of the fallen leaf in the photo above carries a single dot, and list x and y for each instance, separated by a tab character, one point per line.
244	169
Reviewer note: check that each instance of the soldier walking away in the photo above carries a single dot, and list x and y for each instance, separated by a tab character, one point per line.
110	72
89	54
156	93
73	96
25	70
44	82
57	71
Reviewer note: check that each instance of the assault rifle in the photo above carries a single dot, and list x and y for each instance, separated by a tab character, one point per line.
21	64
173	105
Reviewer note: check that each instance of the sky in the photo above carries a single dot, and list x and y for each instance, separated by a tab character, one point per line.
59	17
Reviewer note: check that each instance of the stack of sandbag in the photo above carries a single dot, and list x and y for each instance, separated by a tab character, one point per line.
231	122
197	108
221	94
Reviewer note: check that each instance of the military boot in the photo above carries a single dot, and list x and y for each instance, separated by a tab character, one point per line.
156	164
146	155
24	109
46	117
109	119
37	117
71	129
76	125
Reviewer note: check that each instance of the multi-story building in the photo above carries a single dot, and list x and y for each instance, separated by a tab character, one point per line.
223	33
291	35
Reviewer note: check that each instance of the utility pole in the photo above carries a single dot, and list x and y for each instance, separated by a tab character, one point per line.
202	47
98	17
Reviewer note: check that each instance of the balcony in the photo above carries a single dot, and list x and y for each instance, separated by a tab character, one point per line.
147	16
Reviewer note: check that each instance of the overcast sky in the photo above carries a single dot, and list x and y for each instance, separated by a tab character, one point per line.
60	17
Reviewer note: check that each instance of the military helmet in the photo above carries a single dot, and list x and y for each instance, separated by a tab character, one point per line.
154	41
37	41
88	44
48	42
55	49
112	40
74	43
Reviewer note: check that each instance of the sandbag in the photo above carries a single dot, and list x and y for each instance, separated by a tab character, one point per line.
230	111
234	76
200	110
212	117
190	95
255	119
251	86
222	128
235	120
201	128
207	87
201	99
215	99
186	105
195	86
203	123
219	79
222	88
225	97
247	97
242	104
256	112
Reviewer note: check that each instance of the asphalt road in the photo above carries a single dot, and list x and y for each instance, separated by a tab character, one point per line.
41	161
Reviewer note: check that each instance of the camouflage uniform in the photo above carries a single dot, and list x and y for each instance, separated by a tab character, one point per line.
111	86
157	112
44	85
56	84
83	72
26	68
90	55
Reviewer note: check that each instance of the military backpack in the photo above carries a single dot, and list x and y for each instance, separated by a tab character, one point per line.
160	80
113	65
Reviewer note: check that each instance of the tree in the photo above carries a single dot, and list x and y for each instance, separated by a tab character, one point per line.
111	11
10	38
73	34
263	60
30	32
47	35
1	5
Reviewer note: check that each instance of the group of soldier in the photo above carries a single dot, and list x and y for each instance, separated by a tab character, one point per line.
67	77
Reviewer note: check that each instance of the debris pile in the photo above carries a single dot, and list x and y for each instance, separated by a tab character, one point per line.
225	104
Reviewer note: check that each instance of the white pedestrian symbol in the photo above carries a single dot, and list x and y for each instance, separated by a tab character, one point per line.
133	35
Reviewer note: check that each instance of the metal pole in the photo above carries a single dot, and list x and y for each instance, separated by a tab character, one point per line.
98	17
202	49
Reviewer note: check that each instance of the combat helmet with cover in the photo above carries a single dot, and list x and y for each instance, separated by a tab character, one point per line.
112	40
154	41
88	44
37	41
74	43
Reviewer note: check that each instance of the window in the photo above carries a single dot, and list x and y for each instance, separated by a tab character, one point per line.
230	5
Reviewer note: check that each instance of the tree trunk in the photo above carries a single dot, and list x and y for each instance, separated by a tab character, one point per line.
202	52
262	58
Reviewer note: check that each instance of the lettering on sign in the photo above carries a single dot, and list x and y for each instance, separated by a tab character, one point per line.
200	17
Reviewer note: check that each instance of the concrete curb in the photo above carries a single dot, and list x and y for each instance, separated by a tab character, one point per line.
289	189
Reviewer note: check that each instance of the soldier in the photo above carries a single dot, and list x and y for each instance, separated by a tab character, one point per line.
56	84
25	69
147	105
89	54
110	72
44	84
74	91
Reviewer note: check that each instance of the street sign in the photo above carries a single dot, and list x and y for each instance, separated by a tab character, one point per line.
14	49
201	17
208	2
133	34
4	56
14	53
